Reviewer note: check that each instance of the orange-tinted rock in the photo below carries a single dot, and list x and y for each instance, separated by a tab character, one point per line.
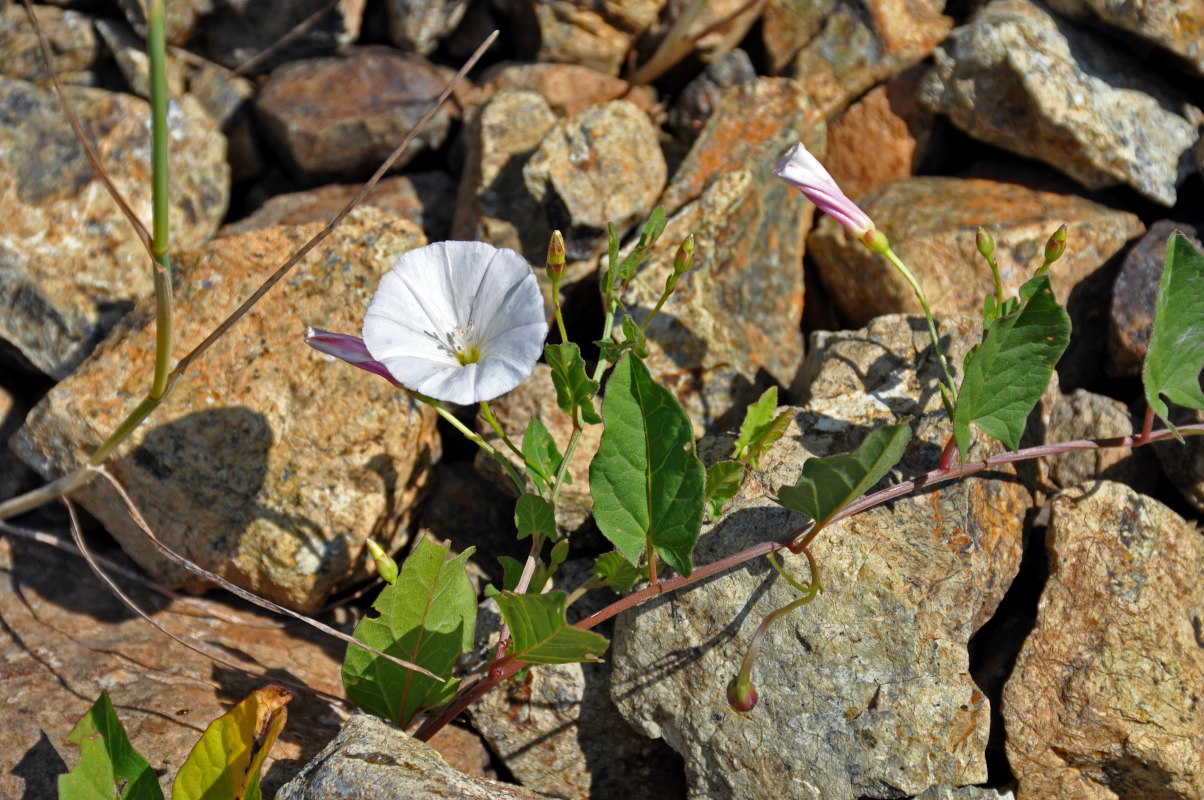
878	139
1107	696
269	463
932	222
567	88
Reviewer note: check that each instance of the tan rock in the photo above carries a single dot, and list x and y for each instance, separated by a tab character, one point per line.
72	264
572	33
567	88
71	37
269	464
1104	700
931	223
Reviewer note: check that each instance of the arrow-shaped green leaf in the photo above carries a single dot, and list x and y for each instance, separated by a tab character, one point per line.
540	634
829	484
109	767
1176	353
573	387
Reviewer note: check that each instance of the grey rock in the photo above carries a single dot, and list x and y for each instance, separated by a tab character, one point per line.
227	99
1019	78
71	37
601	166
129	52
864	692
370	759
701	96
1183	463
416	26
70	265
242	30
1083	415
1135	296
1174	25
344	116
182	18
964	793
269	464
424	198
1104	700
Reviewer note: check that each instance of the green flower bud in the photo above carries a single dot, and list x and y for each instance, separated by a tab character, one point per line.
555	264
741	695
684	258
876	241
1056	245
385	565
985	243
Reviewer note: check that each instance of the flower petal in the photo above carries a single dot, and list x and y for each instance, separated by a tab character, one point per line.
348	348
457	296
803	171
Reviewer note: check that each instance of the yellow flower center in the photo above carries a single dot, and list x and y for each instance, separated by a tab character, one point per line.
470	356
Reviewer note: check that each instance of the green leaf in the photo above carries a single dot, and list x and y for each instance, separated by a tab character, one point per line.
108	767
760	428
648	485
615	571
541	454
1005	376
723	481
539	633
633	338
829	484
533	515
226	761
652	231
1176	354
574	389
426	618
512	572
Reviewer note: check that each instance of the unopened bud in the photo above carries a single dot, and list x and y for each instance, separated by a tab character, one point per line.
1056	245
385	565
985	243
684	258
876	241
741	695
555	263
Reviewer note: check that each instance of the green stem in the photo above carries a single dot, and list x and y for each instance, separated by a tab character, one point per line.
156	46
564	337
497	428
936	342
472	436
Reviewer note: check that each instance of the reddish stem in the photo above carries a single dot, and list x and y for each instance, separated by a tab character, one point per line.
949	454
1146	427
652	568
504	669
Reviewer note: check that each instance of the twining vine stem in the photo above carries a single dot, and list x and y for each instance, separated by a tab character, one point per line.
796	540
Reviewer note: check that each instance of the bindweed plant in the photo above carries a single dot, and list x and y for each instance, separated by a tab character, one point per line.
462	322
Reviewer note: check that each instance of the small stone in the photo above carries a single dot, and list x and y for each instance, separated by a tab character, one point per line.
900	130
269	464
130	54
70	263
344	116
568	89
1135	295
601	166
536	397
931	223
572	33
1018	78
416	26
869	681
701	96
182	19
1183	463
840	48
1083	415
70	35
1174	25
227	99
423	198
65	638
370	759
1104	700
243	30
718	28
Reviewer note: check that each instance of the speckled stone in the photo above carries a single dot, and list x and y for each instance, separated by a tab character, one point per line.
345	115
1019	78
839	48
1105	697
129	52
1183	463
931	223
71	37
70	264
181	18
571	32
371	759
865	691
1135	296
1175	25
424	198
243	29
567	89
416	26
269	463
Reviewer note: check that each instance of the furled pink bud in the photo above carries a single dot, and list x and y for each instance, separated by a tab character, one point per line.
348	348
803	171
741	695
